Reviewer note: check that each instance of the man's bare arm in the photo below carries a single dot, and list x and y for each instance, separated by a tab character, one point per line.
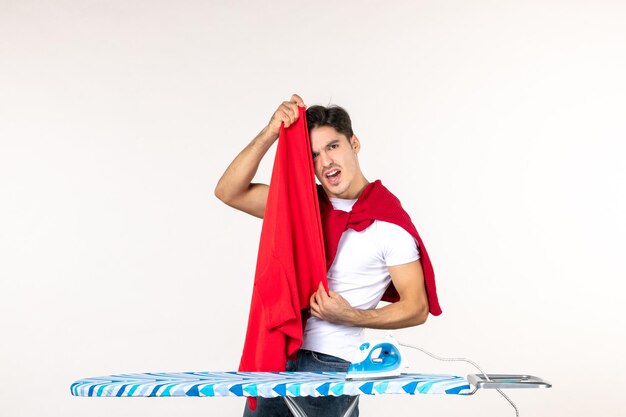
410	310
235	187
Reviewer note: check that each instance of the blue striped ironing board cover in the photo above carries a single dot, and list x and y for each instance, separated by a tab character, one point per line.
262	384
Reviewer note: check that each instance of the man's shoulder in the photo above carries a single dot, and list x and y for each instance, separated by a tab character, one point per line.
390	231
383	196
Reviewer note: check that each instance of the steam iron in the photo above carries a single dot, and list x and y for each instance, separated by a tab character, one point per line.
379	358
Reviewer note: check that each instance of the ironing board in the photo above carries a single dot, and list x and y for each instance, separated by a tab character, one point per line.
287	385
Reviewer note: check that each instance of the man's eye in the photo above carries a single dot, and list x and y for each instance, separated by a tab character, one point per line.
314	155
333	146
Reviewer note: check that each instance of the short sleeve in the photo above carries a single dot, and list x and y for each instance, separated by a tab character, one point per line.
398	246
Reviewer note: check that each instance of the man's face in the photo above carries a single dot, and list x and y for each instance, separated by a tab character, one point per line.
335	161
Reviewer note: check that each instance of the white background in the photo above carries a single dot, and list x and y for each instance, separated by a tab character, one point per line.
499	124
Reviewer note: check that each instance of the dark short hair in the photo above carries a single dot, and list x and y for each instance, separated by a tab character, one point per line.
333	116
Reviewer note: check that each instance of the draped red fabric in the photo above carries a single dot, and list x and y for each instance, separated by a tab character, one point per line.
376	202
291	260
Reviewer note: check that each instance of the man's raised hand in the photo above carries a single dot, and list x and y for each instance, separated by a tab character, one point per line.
286	113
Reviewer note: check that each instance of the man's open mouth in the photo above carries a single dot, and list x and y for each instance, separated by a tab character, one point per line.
333	176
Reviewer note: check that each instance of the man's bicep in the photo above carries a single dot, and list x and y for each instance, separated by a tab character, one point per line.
409	281
253	201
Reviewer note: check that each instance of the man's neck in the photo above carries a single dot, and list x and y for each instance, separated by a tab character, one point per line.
364	183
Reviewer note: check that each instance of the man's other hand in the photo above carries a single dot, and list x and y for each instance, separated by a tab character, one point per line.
330	307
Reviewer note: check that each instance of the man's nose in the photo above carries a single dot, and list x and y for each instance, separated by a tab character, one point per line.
325	160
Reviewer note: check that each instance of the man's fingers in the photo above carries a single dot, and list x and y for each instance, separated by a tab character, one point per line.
315	308
284	115
313	301
288	111
317	301
291	109
298	100
317	298
321	291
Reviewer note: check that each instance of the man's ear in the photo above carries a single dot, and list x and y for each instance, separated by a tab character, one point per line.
355	143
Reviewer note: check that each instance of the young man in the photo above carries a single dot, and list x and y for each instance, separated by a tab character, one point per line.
365	263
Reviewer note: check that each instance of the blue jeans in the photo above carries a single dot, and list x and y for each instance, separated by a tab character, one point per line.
330	406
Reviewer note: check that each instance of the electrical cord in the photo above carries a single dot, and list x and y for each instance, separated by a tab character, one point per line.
432	355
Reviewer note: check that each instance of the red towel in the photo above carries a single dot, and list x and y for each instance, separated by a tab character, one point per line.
291	260
376	202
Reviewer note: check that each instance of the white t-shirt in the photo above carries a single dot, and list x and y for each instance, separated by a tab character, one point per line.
359	274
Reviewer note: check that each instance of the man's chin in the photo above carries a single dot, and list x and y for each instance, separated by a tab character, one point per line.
335	191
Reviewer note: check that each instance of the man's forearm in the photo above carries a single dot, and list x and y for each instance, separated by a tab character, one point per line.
241	171
393	316
410	310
